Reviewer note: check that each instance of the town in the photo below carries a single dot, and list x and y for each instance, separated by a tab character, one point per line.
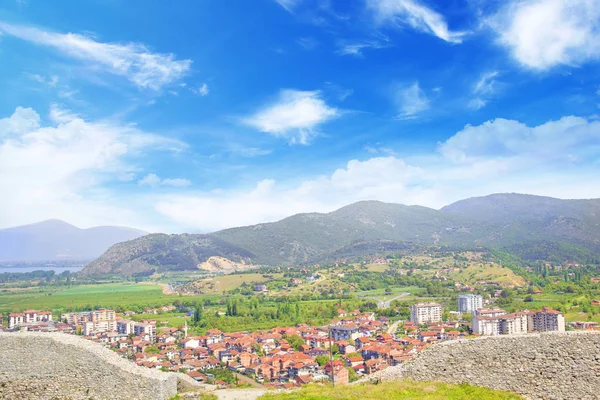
353	345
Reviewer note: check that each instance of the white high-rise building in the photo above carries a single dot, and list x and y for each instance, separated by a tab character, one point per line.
422	313
468	303
496	322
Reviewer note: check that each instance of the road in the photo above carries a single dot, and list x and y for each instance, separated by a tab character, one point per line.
393	328
386	304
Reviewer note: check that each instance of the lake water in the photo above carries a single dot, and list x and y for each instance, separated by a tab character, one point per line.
58	270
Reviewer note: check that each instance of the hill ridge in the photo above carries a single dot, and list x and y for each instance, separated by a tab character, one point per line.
367	227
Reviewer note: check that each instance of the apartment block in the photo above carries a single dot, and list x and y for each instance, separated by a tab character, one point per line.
422	313
95	321
468	303
495	321
547	320
143	328
16	320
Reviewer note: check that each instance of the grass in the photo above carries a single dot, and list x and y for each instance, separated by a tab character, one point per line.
105	295
490	273
394	391
231	282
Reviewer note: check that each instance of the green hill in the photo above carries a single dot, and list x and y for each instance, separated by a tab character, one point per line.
530	226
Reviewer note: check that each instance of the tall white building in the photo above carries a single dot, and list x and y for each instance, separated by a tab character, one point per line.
495	321
16	320
95	321
145	329
422	313
547	320
468	303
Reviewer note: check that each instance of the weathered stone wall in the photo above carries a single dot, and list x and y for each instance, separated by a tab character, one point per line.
45	366
538	366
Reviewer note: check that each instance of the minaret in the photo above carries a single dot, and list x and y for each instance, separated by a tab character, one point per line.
185	330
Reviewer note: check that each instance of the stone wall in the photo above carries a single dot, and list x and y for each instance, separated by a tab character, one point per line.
538	366
47	366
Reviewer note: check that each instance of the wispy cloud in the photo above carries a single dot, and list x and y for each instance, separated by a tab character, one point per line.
411	101
356	48
203	91
154	180
48	81
541	34
415	15
378	149
247	152
295	115
339	92
289	5
307	43
483	90
60	115
134	61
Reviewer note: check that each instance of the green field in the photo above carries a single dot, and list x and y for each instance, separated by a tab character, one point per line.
84	297
490	273
230	282
404	390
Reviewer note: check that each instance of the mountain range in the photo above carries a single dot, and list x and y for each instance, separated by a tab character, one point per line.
533	227
55	240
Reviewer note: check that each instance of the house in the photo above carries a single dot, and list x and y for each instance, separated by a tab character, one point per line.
260	287
338	370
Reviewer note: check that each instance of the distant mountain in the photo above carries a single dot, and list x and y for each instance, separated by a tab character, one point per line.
533	227
55	240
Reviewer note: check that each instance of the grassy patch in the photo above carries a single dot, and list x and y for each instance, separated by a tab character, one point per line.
487	272
230	282
394	391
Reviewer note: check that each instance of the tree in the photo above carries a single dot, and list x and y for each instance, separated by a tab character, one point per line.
151	350
322	360
335	349
198	314
295	341
352	376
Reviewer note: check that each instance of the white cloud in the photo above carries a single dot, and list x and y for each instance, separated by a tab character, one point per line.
411	101
477	103
23	120
484	89
203	91
60	171
570	138
307	43
541	34
60	115
51	81
295	115
134	61
356	49
154	180
415	15
289	5
485	84
552	159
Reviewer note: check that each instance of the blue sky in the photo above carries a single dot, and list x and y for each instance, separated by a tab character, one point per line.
200	115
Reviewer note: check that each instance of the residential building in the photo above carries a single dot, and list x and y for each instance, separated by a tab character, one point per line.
493	322
468	303
15	320
547	320
422	313
95	321
143	328
342	332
